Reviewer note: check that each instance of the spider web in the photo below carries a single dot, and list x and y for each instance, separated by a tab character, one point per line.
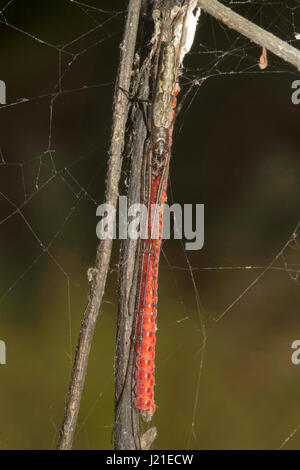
237	300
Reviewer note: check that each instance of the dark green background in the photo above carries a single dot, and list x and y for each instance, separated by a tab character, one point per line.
236	149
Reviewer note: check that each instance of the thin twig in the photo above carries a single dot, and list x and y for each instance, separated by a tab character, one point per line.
120	113
253	32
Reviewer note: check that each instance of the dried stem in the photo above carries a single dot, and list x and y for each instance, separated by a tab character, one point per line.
126	429
256	34
120	114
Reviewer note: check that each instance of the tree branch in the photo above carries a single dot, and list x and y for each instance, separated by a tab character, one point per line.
161	18
126	428
253	32
120	114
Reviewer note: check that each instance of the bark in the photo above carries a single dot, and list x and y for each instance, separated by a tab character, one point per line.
126	430
99	272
